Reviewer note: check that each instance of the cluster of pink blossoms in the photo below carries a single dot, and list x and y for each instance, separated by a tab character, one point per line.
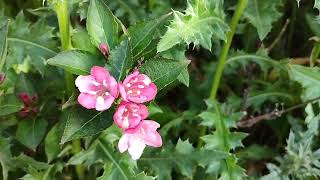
99	90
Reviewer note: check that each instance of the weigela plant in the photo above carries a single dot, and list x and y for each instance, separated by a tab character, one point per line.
144	90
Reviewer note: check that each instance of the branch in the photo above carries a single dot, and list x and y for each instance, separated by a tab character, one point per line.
274	43
271	115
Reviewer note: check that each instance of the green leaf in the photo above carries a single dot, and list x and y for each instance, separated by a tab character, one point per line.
9	81
121	60
28	164
261	14
118	169
52	140
202	20
76	62
163	71
80	123
3	42
102	25
5	156
34	41
31	132
308	77
142	34
81	41
9	104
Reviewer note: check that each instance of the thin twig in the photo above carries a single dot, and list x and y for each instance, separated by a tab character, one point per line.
274	43
302	61
271	115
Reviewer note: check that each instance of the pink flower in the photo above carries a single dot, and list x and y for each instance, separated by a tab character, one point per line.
129	115
135	140
97	90
137	88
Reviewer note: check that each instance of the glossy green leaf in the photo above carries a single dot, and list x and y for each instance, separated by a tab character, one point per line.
308	77
9	104
80	123
102	25
52	142
163	71
81	41
121	60
76	62
31	132
261	14
142	34
202	20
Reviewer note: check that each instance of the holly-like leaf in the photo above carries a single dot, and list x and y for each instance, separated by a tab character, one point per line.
76	62
31	132
202	20
80	123
34	41
163	71
261	14
121	60
142	34
102	25
308	77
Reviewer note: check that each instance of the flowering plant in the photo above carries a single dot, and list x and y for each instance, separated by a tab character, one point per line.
142	90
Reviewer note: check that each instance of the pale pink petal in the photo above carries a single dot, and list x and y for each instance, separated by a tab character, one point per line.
122	92
152	138
123	144
150	125
105	104
87	100
136	147
99	73
85	84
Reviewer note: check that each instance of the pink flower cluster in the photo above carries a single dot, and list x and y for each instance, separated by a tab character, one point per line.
99	90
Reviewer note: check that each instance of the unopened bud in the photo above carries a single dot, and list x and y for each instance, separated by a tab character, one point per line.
104	49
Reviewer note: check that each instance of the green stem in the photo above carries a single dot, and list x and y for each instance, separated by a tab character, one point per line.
314	54
242	4
61	8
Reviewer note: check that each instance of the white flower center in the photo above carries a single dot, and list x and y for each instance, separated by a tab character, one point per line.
100	100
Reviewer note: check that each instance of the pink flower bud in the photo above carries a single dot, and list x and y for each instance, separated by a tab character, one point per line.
29	104
128	114
135	140
2	77
98	90
104	49
137	88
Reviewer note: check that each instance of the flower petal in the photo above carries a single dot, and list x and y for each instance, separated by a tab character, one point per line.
113	86
99	73
85	84
136	147
105	103
87	100
123	143
123	92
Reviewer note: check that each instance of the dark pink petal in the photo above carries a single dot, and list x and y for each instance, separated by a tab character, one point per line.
99	73
122	92
113	86
87	100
